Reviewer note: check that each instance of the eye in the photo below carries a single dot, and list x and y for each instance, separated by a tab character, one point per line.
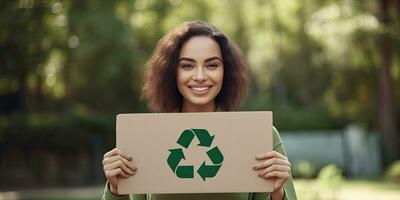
213	65
187	66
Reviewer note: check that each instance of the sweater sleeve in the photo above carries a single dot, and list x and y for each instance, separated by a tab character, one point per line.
107	195
290	193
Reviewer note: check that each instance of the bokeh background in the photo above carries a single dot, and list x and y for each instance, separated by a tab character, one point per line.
328	69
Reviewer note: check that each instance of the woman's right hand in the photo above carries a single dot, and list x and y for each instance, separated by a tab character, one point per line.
117	163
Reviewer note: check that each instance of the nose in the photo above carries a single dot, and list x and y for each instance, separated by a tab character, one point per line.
200	74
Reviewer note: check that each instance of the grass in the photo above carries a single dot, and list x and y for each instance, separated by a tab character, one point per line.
346	190
68	199
306	189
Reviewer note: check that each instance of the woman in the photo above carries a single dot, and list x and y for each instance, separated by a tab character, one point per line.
195	68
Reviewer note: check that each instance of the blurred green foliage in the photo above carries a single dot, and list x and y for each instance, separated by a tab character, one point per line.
331	176
303	169
68	67
56	131
393	172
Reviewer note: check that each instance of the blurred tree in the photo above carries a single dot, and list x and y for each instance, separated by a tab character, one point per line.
386	109
101	71
24	44
67	67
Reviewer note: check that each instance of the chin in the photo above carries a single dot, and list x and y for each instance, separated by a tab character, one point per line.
200	102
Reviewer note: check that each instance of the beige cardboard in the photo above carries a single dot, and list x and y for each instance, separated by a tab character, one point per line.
240	136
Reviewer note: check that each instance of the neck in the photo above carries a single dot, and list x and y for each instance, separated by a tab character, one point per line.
189	107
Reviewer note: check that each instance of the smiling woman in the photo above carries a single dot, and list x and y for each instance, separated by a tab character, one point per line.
185	65
195	68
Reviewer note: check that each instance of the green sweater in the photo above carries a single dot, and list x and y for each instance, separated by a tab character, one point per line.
290	193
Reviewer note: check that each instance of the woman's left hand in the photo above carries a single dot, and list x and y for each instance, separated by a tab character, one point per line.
274	166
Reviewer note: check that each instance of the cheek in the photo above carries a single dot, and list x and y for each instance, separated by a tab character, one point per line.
219	76
182	77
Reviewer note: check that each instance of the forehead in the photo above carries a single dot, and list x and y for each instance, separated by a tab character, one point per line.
200	47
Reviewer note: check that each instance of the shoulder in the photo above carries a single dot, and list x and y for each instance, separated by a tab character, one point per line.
276	138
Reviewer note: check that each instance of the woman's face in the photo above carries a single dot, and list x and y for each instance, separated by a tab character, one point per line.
200	72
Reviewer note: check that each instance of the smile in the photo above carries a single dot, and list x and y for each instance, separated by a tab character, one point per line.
200	89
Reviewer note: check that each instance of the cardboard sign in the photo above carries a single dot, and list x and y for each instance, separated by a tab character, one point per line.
194	152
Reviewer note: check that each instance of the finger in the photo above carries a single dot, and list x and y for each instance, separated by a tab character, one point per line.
117	151
115	172
270	154
277	174
271	161
281	168
118	164
118	157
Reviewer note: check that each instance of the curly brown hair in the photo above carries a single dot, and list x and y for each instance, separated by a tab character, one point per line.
160	87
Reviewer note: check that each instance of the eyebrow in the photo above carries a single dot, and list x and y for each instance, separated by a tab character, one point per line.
207	60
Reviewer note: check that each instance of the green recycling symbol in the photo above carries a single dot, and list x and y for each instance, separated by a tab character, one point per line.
187	171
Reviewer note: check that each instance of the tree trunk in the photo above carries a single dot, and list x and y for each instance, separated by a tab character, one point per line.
386	106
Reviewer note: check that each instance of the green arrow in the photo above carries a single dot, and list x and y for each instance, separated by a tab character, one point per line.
175	157
208	170
215	155
204	137
185	172
186	138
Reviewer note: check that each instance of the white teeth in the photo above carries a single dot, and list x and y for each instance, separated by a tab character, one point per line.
199	89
